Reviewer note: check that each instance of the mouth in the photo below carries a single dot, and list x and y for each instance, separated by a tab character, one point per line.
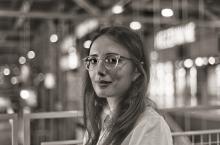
103	84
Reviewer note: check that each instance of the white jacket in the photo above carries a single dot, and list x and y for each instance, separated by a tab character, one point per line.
150	129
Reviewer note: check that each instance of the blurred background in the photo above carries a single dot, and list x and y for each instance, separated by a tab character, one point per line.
42	43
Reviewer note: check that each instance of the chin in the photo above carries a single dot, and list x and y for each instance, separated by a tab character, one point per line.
102	95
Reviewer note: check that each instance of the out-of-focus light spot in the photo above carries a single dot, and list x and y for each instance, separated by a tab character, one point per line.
49	81
6	71
4	102
31	54
32	100
211	60
10	110
135	25
70	61
167	12
117	9
25	73
87	44
24	94
29	96
188	63
22	60
199	61
68	43
182	72
73	61
53	38
193	72
14	80
86	27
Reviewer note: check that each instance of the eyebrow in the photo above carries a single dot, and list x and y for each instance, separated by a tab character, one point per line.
105	54
93	55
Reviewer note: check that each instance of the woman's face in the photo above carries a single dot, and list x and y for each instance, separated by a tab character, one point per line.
111	82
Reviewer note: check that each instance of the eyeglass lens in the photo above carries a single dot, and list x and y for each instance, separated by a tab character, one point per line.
109	61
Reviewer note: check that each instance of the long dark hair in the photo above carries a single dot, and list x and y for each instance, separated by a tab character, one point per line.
129	109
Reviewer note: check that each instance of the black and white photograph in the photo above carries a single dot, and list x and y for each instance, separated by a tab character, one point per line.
109	72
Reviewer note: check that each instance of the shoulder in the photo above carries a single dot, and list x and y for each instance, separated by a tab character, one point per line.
150	119
151	128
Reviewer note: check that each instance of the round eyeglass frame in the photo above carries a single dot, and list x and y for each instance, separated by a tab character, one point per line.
118	57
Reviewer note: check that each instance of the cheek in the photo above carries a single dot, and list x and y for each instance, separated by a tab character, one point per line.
123	74
91	75
122	84
123	79
115	76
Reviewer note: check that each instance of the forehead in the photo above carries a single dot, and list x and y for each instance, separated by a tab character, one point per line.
105	44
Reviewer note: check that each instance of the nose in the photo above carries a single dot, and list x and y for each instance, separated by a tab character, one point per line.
101	70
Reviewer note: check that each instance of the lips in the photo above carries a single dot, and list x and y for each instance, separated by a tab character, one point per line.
103	83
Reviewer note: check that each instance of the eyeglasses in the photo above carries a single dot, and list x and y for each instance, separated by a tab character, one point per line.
110	61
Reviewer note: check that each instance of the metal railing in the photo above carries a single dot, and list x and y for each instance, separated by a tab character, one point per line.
200	137
192	118
13	118
64	142
47	115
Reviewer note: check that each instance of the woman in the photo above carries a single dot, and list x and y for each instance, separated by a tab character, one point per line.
116	109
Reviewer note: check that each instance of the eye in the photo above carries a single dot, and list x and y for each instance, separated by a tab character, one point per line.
93	60
111	59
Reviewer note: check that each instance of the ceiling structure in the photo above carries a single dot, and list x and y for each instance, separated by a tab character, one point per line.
14	15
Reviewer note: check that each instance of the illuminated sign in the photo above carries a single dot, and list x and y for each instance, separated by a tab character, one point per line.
175	36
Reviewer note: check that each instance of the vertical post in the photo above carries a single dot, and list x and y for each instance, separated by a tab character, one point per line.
187	123
156	19
26	129
14	129
175	85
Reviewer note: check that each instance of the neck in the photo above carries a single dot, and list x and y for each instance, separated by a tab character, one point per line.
112	103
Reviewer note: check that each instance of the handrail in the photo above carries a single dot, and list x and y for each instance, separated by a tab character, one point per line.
196	132
194	108
48	115
45	115
64	142
14	127
197	137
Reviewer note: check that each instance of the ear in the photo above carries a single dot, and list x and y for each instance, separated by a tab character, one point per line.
136	74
